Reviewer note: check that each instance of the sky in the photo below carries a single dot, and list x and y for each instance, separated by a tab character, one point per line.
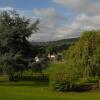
59	19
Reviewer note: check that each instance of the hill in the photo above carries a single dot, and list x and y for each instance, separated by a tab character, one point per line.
58	42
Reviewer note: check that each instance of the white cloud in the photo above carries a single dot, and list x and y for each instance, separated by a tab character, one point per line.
82	6
88	18
49	14
81	23
88	22
6	8
54	25
50	21
26	13
52	29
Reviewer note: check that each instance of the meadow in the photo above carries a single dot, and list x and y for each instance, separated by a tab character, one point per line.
39	89
23	91
23	77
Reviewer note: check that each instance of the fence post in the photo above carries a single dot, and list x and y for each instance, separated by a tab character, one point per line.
99	83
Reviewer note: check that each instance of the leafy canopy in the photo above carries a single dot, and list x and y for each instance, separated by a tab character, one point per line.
84	57
14	45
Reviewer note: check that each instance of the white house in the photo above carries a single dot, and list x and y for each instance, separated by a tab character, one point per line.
52	56
37	59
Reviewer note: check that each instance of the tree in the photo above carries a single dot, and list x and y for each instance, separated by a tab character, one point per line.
83	57
82	63
14	33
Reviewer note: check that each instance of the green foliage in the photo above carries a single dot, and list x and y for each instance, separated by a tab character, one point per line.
14	31
88	80
36	67
12	65
55	68
58	78
85	84
53	46
60	86
82	61
14	46
83	57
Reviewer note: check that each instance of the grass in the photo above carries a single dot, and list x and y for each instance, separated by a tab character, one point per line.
30	93
20	91
39	90
55	67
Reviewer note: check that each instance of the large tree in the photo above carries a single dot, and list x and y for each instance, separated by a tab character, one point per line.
82	63
83	58
14	45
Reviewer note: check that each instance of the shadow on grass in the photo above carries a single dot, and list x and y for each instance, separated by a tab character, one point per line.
25	83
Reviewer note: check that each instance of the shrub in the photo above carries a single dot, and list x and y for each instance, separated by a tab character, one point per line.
62	86
85	84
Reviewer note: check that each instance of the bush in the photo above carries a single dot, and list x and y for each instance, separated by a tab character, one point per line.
62	80
60	86
85	84
88	80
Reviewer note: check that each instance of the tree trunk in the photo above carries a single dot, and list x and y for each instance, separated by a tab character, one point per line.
11	78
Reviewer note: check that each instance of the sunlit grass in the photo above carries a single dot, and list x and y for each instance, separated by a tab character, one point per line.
41	93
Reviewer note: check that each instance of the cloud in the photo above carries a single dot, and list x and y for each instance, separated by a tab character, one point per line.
26	13
87	18
81	6
49	14
88	22
6	8
55	25
81	23
51	27
50	21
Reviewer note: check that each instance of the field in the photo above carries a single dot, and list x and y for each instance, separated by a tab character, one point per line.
40	90
33	91
38	93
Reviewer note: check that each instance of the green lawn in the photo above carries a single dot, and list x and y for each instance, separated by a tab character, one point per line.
23	91
39	90
55	67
